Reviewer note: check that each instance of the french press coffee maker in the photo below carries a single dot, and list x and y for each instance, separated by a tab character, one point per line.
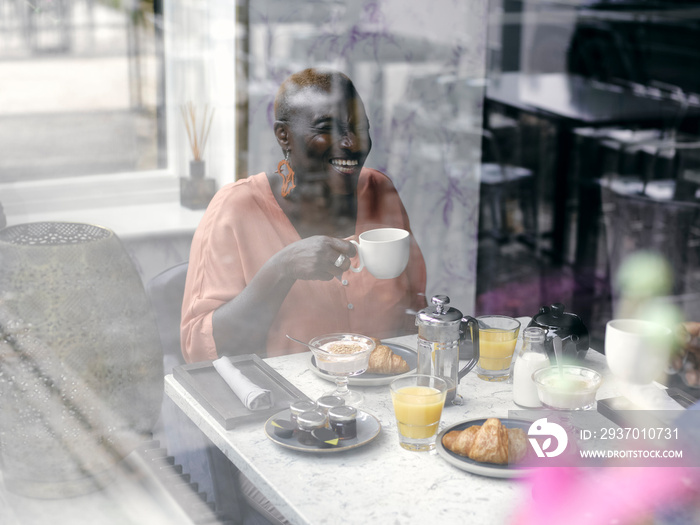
441	331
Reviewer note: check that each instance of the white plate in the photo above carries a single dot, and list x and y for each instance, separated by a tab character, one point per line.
477	467
365	379
368	428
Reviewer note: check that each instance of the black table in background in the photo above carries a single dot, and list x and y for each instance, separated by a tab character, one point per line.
569	102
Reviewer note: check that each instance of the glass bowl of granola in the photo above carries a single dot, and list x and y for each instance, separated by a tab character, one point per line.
341	356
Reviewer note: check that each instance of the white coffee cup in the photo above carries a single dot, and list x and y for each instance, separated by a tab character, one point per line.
384	252
637	351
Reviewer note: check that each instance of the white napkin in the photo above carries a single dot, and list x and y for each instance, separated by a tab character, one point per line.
649	397
250	394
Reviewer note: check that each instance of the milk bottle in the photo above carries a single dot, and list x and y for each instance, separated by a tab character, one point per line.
531	358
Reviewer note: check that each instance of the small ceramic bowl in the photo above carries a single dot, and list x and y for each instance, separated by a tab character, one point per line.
572	388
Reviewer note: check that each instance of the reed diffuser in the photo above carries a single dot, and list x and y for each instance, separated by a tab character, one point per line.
197	133
196	190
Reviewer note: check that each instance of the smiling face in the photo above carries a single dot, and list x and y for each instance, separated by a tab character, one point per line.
328	135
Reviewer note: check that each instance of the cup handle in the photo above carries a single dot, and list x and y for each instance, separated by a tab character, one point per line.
362	263
473	325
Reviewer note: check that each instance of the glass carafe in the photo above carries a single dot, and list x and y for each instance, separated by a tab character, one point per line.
441	331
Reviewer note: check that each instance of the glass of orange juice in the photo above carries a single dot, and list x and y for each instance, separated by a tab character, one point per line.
418	402
497	337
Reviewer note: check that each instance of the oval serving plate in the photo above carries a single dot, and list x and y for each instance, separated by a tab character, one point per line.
368	428
477	467
365	379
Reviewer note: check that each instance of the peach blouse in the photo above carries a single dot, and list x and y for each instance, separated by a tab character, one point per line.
244	226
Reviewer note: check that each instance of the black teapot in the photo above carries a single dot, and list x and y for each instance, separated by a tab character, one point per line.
567	326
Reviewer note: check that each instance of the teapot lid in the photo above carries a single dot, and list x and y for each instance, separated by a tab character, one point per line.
439	312
556	317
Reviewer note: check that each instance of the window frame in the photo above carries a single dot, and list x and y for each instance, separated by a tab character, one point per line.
194	34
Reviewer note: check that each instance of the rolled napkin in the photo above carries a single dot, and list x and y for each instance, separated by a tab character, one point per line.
250	394
649	397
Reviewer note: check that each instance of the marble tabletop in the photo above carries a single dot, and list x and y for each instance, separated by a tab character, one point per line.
379	482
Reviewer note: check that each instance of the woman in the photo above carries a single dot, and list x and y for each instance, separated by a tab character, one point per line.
271	254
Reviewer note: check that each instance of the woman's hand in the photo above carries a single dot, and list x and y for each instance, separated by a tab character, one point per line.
239	326
314	258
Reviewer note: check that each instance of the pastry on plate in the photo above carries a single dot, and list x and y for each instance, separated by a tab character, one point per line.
383	361
491	442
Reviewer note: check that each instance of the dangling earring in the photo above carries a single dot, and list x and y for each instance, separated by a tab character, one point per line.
287	175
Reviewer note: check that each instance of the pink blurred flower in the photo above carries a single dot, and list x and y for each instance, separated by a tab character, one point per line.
579	496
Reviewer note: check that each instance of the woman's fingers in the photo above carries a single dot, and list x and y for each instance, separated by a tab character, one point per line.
342	262
343	246
344	250
319	258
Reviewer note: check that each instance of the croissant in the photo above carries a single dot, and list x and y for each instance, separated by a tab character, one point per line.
517	445
490	443
383	361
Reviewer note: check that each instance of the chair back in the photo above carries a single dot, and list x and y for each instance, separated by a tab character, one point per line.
671	228
166	291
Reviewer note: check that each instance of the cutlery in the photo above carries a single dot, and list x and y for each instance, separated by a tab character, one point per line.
556	341
301	342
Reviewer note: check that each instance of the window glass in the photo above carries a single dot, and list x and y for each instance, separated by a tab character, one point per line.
420	75
600	101
81	91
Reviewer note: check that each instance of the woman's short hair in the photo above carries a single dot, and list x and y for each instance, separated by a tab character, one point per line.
325	80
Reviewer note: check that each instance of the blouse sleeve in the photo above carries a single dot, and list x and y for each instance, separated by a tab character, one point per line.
215	276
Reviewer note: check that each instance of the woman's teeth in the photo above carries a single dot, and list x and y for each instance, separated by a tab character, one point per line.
343	162
345	166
